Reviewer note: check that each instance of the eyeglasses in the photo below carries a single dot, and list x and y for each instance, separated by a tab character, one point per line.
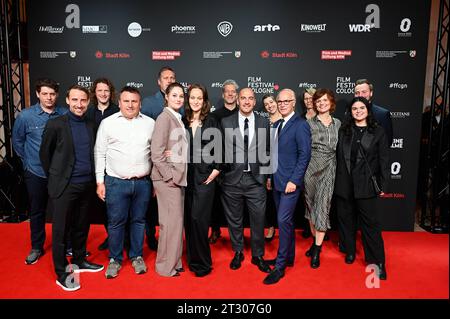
284	101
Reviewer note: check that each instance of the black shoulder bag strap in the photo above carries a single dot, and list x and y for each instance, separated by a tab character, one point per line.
372	176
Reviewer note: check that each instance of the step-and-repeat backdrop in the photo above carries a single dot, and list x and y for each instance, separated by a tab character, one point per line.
265	45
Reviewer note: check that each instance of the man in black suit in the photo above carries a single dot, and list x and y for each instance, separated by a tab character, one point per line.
382	115
66	155
247	152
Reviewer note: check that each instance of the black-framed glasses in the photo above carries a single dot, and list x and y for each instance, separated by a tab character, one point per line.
284	101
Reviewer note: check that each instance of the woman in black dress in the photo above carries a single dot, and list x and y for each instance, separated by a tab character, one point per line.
201	179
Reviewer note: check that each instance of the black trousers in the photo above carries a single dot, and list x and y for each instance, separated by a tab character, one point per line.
198	206
348	211
71	212
271	211
37	198
250	192
217	217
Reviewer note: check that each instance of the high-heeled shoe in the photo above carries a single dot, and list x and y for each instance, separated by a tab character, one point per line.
269	237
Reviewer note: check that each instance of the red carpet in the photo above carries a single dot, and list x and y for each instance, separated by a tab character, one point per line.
417	267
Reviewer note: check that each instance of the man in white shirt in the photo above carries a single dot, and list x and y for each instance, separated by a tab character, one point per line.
122	151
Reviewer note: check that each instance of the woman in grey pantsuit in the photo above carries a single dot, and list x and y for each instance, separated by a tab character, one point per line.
320	175
169	179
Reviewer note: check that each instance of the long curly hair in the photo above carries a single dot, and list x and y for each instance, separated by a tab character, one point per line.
111	87
349	122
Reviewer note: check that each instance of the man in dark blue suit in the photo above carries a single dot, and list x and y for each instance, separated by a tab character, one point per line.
365	89
290	157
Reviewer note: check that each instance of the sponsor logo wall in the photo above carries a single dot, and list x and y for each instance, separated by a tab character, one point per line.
384	41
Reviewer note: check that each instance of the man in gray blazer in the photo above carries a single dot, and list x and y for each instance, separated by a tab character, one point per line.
247	153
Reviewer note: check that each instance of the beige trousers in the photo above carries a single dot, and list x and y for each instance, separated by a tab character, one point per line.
171	217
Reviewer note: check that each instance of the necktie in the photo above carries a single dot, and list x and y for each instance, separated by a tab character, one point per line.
280	127
246	143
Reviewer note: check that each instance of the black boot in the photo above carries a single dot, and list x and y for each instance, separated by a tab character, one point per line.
309	251
382	271
306	233
315	256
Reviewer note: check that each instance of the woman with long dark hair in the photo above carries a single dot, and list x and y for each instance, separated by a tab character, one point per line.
361	177
201	179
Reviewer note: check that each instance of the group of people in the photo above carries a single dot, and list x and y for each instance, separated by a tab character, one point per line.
192	159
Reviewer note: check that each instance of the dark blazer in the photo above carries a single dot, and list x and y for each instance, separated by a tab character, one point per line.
383	117
110	110
202	169
358	183
294	153
57	153
234	145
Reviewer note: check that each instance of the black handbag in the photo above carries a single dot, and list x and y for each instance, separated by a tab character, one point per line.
376	186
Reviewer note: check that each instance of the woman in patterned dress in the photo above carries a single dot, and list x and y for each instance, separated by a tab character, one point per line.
320	175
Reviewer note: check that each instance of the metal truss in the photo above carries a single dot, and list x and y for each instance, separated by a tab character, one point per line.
11	100
435	197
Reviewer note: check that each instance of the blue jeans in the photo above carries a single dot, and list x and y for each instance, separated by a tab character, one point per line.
126	199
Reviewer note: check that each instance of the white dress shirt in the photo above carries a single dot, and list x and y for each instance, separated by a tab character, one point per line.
177	115
251	129
251	126
287	118
122	147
